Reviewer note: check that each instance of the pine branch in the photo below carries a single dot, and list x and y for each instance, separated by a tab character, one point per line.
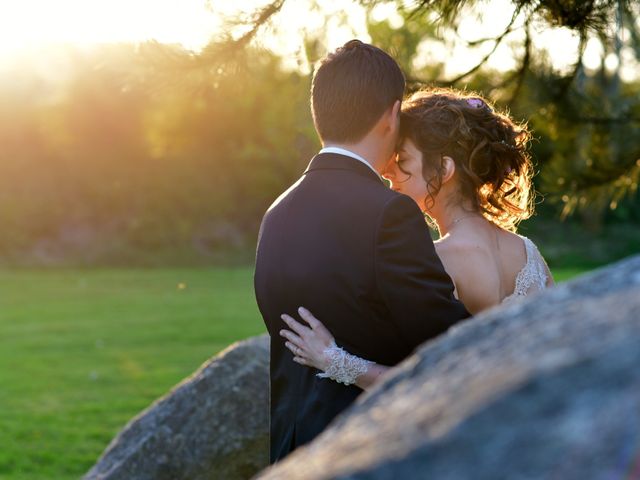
577	68
498	41
448	9
606	191
524	66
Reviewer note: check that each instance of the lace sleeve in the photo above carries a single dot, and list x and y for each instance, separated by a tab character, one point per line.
343	367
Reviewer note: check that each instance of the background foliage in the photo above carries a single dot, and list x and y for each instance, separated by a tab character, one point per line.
153	155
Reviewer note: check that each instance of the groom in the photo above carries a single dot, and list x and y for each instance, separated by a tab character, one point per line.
342	244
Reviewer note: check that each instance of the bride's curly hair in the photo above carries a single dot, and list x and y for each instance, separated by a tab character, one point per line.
487	146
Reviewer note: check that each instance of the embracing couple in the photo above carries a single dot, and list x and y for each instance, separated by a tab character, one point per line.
358	255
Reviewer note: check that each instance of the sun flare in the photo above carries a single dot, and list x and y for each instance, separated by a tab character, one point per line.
27	24
29	27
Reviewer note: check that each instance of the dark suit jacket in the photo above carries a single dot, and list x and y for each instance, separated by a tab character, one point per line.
360	257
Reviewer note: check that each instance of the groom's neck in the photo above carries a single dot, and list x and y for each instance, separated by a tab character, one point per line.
368	150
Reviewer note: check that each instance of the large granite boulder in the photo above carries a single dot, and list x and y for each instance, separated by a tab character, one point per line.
548	388
213	425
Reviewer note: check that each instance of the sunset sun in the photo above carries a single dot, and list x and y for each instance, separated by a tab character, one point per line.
33	23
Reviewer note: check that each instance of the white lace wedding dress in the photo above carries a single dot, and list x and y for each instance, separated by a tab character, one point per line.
533	276
346	368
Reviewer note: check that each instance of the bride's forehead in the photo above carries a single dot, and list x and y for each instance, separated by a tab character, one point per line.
407	146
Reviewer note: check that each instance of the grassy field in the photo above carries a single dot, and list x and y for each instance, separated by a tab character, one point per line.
83	351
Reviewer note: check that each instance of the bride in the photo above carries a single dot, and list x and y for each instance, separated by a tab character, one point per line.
466	166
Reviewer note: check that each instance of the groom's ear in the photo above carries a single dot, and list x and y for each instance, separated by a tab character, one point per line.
395	110
395	115
389	121
448	168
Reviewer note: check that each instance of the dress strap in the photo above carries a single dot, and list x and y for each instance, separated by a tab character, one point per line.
533	275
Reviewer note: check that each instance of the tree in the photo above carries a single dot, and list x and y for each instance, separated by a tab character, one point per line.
597	161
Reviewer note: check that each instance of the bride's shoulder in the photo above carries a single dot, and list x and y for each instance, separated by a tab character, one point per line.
511	240
519	243
457	248
458	244
466	261
469	264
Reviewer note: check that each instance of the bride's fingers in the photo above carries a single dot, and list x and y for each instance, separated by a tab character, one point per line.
294	325
297	351
292	337
315	324
300	360
308	317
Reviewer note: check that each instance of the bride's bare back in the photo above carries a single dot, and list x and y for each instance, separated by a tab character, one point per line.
484	262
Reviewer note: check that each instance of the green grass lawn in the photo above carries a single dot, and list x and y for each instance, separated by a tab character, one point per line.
83	351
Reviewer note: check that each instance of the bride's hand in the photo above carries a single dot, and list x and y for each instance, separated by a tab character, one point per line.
307	344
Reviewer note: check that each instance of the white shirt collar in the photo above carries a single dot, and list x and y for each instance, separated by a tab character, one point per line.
349	153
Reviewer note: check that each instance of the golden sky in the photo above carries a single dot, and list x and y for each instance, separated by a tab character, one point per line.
33	24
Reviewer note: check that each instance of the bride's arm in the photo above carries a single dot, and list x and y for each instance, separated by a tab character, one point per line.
314	346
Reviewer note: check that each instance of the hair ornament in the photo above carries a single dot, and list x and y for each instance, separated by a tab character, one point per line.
476	102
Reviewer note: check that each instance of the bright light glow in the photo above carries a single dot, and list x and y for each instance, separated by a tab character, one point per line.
560	45
611	62
388	12
492	20
34	24
333	22
27	24
630	65
593	52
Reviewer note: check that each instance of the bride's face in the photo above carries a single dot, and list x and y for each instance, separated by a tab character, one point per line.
404	171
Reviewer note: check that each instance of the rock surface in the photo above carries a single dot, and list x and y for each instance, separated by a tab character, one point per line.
545	388
213	425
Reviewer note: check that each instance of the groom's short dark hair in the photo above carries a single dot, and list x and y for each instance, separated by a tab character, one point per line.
351	89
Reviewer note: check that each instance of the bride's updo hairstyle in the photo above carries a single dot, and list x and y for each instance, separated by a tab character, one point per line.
489	150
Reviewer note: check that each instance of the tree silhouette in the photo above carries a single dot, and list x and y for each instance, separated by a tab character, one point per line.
596	162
